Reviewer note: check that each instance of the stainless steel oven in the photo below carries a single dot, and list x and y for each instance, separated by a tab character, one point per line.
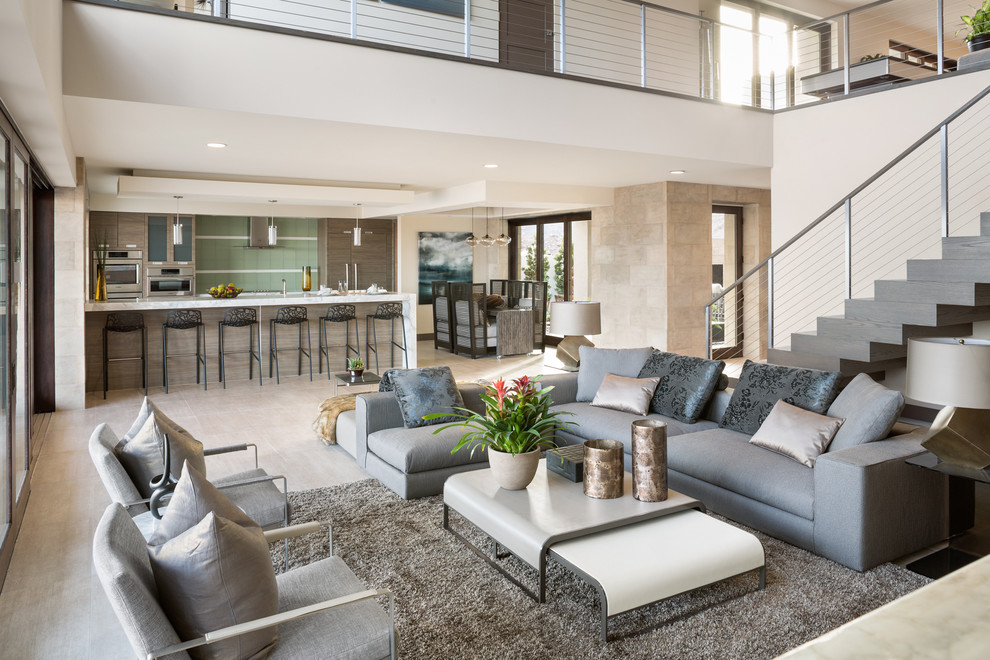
170	281
123	273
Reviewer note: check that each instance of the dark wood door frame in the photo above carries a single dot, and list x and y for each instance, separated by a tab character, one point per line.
43	302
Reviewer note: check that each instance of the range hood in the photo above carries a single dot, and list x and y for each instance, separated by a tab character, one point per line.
258	238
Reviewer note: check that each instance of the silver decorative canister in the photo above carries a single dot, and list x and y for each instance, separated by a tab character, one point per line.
649	460
603	471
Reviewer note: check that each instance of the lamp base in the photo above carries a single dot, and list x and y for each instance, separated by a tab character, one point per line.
567	351
959	436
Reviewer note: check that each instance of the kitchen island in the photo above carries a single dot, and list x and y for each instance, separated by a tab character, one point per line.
182	369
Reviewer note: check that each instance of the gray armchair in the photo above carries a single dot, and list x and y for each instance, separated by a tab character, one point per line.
324	610
254	491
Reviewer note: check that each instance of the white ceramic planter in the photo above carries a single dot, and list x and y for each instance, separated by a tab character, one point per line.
513	471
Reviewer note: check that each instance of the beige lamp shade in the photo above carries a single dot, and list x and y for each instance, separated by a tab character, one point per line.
950	372
575	318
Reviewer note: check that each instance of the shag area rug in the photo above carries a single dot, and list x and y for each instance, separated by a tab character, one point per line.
451	604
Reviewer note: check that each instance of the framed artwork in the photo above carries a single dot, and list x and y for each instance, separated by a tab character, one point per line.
443	255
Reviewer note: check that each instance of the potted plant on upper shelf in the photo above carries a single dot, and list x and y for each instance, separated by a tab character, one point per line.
517	424
978	25
356	367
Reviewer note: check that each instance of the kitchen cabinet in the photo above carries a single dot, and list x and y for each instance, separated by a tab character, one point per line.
161	246
375	257
121	231
130	231
102	229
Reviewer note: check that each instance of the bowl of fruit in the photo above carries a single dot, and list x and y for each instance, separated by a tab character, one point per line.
225	291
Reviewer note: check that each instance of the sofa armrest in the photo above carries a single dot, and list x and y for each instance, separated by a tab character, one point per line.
374	411
564	387
872	507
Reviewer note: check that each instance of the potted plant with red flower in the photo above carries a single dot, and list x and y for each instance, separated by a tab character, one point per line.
516	426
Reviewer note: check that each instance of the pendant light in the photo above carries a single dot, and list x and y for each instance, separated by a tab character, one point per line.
357	229
502	239
177	225
486	240
272	229
471	240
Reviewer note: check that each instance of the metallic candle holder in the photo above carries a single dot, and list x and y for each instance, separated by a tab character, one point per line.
603	471
649	460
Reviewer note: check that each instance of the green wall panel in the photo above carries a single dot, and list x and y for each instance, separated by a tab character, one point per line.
220	260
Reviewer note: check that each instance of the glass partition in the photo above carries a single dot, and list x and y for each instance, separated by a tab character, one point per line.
5	477
20	364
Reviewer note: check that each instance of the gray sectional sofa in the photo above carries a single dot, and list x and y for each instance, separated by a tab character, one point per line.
859	505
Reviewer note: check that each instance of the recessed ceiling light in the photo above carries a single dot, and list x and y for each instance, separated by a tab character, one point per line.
491	166
677	172
216	145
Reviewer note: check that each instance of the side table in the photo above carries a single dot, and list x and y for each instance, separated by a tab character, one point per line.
368	380
962	504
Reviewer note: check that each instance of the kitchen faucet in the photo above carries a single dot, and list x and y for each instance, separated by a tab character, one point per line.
283	286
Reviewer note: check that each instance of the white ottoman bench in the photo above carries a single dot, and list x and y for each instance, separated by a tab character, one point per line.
640	564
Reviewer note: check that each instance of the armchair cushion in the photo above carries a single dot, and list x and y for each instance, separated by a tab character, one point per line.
870	410
762	385
425	391
142	457
193	498
213	575
686	384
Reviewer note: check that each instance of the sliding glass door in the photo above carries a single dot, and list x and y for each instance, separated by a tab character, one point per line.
20	364
5	455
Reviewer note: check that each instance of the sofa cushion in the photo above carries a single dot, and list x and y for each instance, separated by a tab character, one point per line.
213	575
686	384
796	433
726	459
419	450
426	391
631	395
596	362
870	410
762	385
591	422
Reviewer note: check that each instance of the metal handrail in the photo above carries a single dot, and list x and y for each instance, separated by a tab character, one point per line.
886	168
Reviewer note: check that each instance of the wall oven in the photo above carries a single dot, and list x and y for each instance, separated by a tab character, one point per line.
170	281
123	273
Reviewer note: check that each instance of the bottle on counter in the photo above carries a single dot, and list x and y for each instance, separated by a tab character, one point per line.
307	278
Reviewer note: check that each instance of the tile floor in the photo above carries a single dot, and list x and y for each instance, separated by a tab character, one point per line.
52	605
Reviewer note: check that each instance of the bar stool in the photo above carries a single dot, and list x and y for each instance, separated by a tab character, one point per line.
339	314
290	316
126	322
184	319
241	317
385	312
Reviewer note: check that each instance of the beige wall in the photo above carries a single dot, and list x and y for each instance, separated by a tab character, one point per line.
651	261
71	217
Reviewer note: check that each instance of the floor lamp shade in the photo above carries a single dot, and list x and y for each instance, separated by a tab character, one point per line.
956	374
574	320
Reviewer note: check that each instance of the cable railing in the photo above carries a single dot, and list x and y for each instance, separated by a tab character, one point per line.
933	189
766	60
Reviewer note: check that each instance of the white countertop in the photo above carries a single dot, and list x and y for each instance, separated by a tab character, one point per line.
246	300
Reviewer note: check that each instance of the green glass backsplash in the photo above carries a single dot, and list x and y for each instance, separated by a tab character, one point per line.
220	260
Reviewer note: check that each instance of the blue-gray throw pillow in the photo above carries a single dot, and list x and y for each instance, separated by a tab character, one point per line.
870	410
686	384
425	391
761	386
386	382
596	362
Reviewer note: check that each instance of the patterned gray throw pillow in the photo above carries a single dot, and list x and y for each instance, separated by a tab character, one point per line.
686	384
762	385
386	383
425	391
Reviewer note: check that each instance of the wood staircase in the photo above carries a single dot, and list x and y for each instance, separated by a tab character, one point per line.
939	298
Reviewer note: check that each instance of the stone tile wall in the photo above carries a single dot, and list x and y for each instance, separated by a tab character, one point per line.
71	217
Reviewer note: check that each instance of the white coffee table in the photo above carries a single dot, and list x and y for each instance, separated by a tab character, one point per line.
595	538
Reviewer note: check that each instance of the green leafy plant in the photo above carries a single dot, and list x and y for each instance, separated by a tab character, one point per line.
517	419
978	23
355	363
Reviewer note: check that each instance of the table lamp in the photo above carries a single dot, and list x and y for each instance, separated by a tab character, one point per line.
956	374
574	320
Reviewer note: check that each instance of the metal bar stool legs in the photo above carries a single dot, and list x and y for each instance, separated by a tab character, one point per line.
385	312
123	322
185	319
290	316
241	317
339	314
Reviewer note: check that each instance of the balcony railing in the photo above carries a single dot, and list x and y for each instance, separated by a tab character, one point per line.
641	44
